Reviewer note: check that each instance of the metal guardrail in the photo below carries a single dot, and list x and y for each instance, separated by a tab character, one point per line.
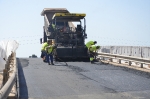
123	57
9	80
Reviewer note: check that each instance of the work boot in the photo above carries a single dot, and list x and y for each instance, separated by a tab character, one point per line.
52	63
45	61
95	60
49	63
92	62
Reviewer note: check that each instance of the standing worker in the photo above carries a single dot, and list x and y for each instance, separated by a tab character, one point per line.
53	27
50	50
92	52
43	51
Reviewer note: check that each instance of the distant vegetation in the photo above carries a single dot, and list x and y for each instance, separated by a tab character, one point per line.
33	56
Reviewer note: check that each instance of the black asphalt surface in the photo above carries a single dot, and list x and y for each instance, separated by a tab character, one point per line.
79	80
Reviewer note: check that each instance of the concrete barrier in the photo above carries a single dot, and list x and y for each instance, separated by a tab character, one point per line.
137	51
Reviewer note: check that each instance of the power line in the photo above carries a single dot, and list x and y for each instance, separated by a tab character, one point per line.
107	38
29	43
102	39
22	36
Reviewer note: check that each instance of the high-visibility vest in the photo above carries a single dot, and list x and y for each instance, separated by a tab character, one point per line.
89	44
50	49
44	45
93	48
53	25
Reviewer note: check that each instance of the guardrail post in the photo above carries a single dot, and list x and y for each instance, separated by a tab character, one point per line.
119	61
141	65
102	58
129	59
111	60
130	63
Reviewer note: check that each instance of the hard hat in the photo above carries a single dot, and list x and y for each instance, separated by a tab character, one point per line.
95	42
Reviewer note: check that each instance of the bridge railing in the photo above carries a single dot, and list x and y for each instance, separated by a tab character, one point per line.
8	66
127	59
9	76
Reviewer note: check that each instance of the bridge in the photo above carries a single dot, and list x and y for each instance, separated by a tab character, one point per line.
122	73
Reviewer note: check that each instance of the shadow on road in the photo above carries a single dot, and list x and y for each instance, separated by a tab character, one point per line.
23	90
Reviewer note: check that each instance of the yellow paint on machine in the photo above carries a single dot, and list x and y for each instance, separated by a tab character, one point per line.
70	14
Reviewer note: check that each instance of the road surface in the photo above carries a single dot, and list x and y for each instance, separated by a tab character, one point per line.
79	80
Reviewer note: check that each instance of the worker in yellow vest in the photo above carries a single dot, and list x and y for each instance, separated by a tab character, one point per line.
90	43
92	52
53	26
50	49
43	51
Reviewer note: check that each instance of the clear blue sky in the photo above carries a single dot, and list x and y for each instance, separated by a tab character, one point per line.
110	22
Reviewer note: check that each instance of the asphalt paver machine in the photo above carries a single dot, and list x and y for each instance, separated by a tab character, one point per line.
60	29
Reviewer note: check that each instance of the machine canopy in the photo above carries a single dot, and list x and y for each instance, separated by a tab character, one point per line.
69	16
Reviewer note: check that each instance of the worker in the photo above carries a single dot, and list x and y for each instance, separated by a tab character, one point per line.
90	43
50	51
43	51
92	52
53	26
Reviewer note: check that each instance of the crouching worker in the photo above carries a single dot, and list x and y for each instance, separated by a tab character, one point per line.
90	43
43	51
93	52
50	50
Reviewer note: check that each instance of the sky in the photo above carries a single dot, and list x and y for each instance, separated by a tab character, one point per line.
109	22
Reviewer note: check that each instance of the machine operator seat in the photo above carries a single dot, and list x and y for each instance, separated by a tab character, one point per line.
79	31
79	28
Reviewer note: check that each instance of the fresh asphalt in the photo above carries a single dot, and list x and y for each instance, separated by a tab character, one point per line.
79	80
